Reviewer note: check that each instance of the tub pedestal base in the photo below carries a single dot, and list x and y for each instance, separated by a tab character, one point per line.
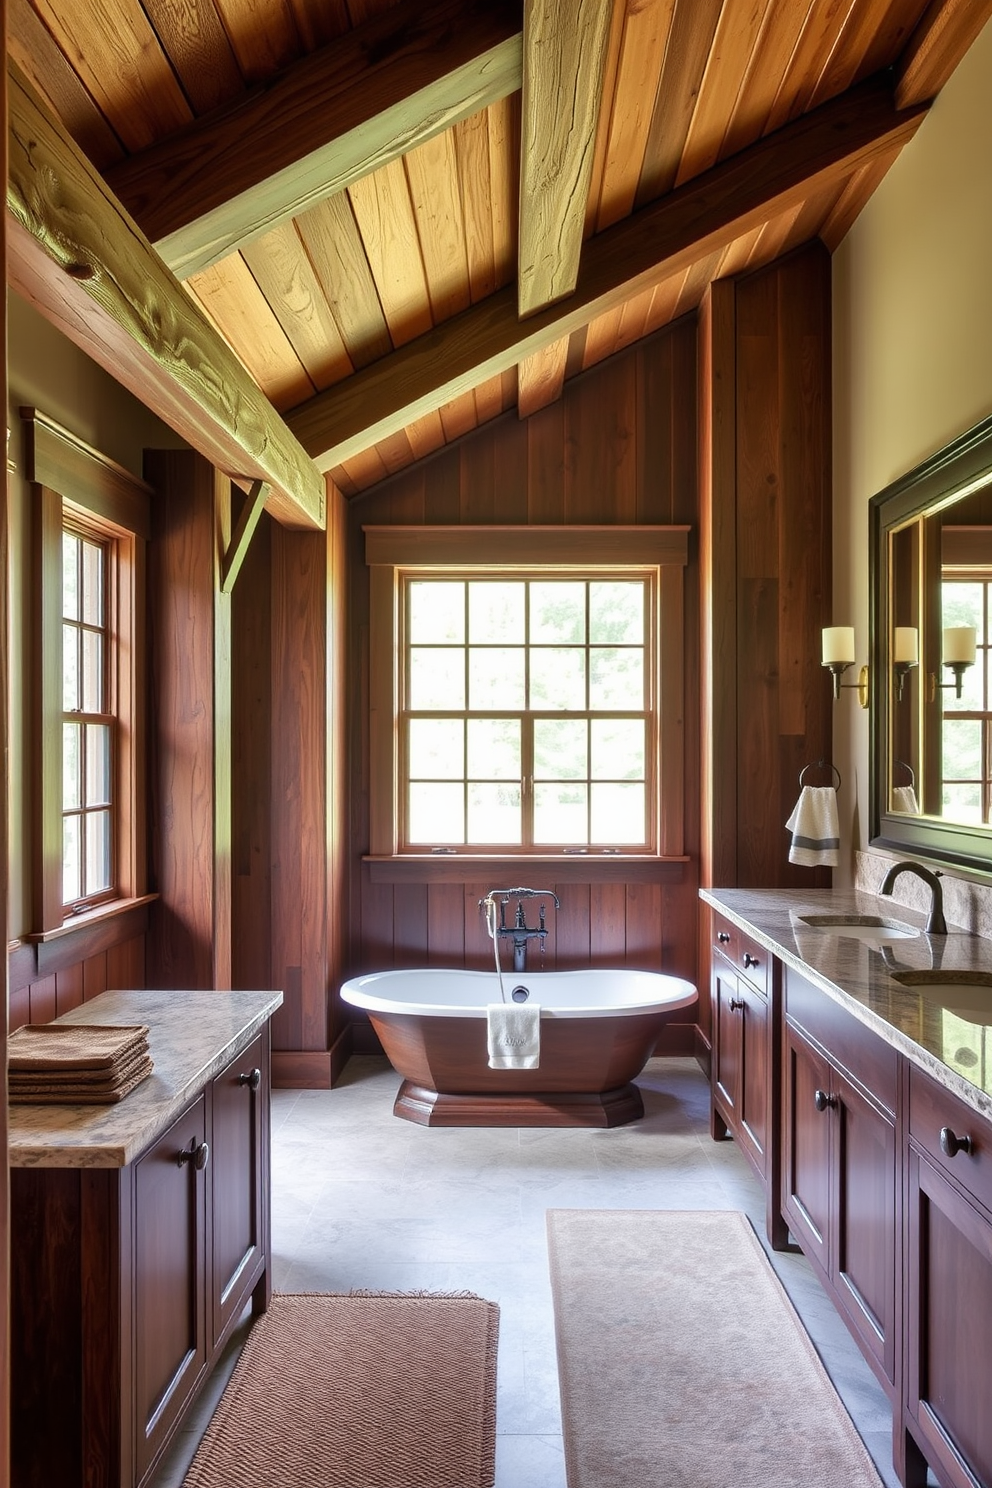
429	1107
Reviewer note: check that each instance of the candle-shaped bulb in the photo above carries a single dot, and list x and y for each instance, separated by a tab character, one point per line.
838	645
959	644
906	644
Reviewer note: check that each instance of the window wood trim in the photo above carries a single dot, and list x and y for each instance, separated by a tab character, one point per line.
392	550
71	479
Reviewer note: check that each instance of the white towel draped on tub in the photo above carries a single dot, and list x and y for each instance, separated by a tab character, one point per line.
815	827
514	1031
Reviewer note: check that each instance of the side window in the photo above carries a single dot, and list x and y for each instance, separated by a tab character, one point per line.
91	527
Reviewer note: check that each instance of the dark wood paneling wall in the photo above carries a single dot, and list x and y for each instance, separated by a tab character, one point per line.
290	788
619	447
766	546
189	637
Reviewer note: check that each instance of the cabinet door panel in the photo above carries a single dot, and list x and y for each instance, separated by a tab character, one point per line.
755	1076
727	1041
169	1281
950	1343
865	1237
236	1184
806	1169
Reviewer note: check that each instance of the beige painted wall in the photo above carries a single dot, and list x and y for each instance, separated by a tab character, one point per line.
912	294
47	372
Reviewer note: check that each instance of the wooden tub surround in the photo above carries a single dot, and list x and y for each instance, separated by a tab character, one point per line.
864	1104
140	1232
432	1025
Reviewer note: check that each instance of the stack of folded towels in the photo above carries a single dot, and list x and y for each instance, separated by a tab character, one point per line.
76	1063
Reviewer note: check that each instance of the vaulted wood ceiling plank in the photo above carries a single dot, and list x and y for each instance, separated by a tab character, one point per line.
663	301
853	199
472	150
774	236
425	434
608	89
199	49
330	235
320	22
503	119
264	44
737	255
332	118
228	295
34	49
693	29
489	399
361	471
693	286
384	213
122	65
944	34
432	174
634	318
458	416
875	34
565	45
769	64
82	262
820	36
285	276
540	377
736	37
646	34
699	219
602	337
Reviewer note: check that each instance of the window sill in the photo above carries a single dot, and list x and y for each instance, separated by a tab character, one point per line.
89	933
558	868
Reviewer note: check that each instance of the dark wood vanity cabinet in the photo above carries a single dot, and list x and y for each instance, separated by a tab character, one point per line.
129	1281
744	1068
839	1163
949	1285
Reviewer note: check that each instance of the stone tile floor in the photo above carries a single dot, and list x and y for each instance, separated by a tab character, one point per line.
361	1199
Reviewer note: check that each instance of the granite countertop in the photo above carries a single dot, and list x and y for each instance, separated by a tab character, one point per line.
192	1036
955	1051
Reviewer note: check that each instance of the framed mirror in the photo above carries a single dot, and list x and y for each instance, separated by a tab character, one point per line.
930	692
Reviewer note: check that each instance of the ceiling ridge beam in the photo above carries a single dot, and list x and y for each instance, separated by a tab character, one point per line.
334	116
76	256
803	157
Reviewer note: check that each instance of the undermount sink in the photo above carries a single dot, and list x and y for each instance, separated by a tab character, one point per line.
966	994
872	929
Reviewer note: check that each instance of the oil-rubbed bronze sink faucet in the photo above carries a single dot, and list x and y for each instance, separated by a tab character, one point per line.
936	924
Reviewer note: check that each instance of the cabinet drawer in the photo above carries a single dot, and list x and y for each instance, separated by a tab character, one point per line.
725	938
852	1047
931	1110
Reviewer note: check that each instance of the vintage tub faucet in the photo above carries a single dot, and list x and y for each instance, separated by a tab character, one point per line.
519	932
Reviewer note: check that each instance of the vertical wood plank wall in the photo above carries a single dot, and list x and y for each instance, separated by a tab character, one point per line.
618	447
189	942
766	573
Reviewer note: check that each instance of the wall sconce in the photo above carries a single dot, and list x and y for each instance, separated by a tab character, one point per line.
958	653
905	655
838	655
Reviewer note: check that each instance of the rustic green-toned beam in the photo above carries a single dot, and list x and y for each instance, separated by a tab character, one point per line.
338	114
564	55
804	157
75	254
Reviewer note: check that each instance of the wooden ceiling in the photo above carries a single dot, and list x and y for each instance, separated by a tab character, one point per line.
405	219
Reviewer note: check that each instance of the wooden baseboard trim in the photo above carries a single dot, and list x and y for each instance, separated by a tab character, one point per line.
301	1069
676	1040
341	1051
702	1051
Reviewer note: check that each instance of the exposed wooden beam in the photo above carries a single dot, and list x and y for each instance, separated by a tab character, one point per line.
340	113
77	256
564	55
244	530
698	219
944	33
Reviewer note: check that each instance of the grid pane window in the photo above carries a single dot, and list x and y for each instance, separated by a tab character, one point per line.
87	724
525	713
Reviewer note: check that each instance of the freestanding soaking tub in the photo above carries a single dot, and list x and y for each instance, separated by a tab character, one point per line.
597	1030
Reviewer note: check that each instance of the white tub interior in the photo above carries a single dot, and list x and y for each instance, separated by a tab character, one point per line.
445	992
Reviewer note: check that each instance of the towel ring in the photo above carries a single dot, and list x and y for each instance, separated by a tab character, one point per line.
908	769
819	764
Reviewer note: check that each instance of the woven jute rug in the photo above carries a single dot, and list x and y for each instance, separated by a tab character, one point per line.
368	1390
682	1362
